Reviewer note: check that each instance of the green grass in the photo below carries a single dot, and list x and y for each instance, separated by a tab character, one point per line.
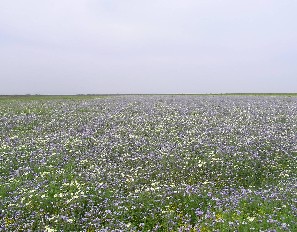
148	163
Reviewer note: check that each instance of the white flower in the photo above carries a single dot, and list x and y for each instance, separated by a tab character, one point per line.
48	229
251	219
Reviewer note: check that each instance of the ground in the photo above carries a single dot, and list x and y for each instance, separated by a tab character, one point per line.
148	163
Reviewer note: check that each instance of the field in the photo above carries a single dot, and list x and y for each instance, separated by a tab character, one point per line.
148	163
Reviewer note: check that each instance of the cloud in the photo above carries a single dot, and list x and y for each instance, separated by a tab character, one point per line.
147	46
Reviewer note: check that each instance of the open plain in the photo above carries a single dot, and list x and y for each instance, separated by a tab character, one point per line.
148	163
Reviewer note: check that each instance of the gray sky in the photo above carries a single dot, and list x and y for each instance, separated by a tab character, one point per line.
147	46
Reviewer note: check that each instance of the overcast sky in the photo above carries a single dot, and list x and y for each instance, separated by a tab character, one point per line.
147	46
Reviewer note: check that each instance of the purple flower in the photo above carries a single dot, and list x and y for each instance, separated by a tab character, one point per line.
199	212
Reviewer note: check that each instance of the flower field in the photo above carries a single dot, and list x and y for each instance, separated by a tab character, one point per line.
149	163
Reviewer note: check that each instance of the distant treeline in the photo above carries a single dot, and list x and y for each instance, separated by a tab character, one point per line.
41	96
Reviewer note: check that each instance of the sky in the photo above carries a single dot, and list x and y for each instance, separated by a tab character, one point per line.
147	46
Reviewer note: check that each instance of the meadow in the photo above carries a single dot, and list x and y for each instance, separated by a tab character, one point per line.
148	163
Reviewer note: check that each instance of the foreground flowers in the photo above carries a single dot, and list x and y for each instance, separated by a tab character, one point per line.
153	163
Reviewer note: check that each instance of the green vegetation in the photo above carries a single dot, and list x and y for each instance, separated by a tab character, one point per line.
148	163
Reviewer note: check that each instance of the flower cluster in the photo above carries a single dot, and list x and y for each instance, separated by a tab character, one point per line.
149	163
